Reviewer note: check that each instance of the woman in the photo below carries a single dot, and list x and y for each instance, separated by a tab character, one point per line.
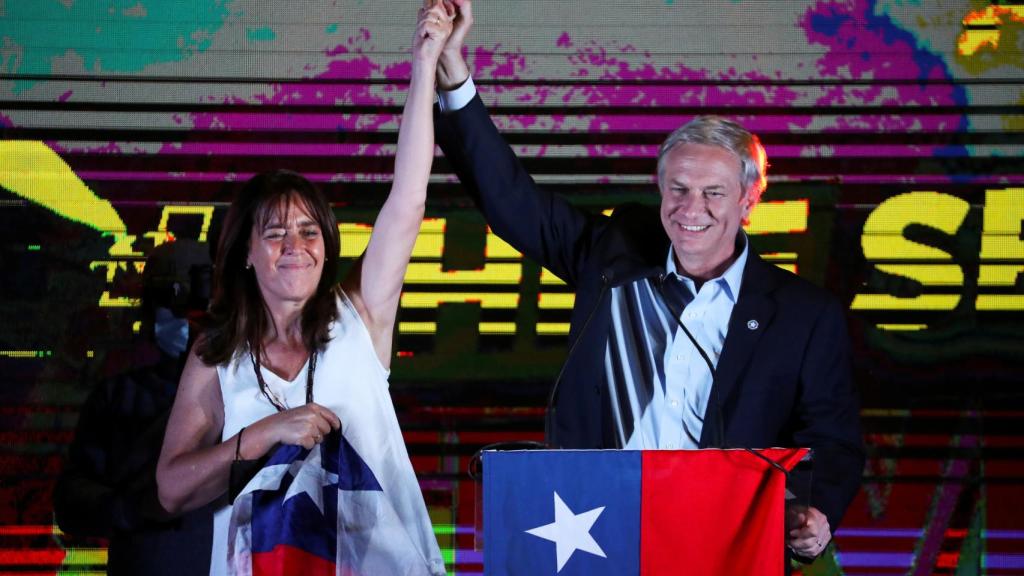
289	356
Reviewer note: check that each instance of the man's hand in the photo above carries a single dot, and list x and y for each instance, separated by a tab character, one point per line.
452	69
809	532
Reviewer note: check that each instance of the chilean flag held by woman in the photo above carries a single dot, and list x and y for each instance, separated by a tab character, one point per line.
318	511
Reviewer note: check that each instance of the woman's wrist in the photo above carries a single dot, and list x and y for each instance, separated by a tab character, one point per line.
238	445
250	442
422	80
424	69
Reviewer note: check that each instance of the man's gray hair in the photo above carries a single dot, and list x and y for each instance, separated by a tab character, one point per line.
717	131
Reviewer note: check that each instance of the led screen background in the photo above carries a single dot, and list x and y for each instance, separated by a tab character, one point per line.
893	128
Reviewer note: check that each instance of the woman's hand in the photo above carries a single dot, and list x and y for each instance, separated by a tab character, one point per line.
432	31
304	426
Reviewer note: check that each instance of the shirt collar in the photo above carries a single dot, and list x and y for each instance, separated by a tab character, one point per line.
730	280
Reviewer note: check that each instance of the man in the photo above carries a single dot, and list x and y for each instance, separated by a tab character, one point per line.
763	360
107	488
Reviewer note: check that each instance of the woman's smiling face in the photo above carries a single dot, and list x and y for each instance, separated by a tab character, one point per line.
286	252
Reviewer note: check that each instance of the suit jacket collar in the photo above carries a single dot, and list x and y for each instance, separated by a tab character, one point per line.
751	317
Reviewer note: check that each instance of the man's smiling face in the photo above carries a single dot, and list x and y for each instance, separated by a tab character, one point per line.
703	206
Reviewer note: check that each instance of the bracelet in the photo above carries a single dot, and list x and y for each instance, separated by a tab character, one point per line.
238	445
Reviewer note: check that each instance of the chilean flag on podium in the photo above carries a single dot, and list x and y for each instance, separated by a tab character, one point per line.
595	512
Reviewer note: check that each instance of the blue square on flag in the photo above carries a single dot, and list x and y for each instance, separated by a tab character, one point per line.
542	516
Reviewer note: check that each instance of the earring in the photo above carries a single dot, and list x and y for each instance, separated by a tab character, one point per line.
248	265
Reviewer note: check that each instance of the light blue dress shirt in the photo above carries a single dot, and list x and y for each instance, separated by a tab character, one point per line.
674	418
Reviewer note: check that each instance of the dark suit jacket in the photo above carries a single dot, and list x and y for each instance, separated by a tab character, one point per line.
783	378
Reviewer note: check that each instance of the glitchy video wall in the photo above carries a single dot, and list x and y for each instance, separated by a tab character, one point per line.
894	130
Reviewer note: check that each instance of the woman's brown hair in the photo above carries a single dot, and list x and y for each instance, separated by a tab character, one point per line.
238	317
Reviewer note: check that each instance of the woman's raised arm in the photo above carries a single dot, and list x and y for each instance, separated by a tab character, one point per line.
376	282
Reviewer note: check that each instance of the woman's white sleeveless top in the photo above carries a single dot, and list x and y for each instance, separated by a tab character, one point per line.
350	380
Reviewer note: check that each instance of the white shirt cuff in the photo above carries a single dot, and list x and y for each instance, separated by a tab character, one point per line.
452	100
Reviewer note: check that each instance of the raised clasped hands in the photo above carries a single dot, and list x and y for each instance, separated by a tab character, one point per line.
436	21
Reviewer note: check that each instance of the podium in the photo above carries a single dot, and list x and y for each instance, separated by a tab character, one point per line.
594	512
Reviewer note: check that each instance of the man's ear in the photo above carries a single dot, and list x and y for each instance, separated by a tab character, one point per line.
748	204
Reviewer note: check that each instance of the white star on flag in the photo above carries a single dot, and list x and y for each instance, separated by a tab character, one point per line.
570	532
310	477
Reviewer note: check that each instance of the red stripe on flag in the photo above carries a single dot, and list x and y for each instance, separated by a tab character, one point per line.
284	559
713	512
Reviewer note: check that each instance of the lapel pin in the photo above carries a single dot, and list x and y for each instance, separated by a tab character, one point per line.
752	324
